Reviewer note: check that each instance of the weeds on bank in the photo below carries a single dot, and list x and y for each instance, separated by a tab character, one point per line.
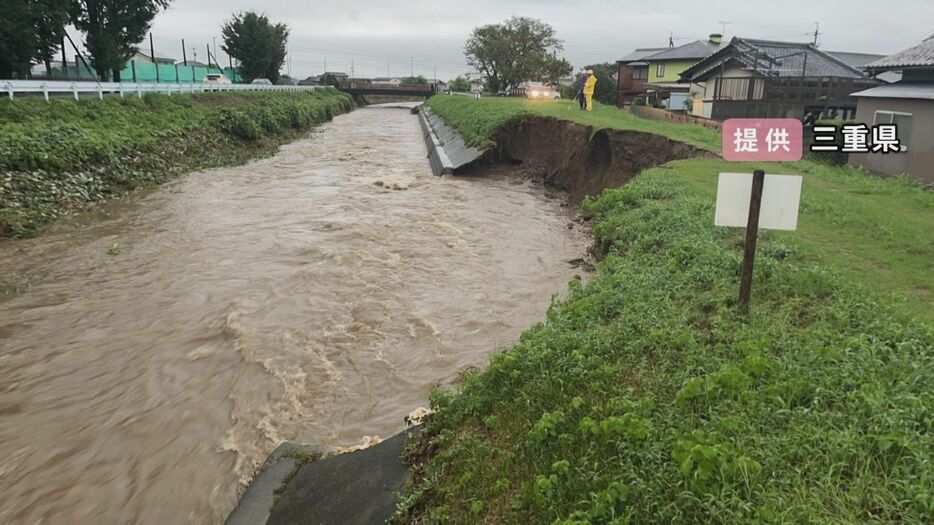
62	155
644	397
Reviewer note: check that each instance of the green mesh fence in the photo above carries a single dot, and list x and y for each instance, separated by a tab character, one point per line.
136	71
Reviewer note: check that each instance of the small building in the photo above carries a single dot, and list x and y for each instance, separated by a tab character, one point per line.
394	81
909	104
632	74
159	58
764	78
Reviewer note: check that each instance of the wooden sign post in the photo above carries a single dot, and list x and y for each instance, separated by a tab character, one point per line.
743	202
752	235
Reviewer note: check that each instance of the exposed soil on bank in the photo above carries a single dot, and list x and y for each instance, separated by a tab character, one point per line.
574	158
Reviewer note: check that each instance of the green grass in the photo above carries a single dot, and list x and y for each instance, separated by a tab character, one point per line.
477	120
65	155
645	398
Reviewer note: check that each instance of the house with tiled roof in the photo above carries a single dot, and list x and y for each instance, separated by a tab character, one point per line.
766	78
909	104
633	74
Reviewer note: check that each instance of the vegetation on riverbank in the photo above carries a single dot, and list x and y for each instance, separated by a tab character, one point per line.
478	120
63	155
645	397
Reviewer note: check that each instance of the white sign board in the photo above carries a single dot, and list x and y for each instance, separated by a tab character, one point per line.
781	195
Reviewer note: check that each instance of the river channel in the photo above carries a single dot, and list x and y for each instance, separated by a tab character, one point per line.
164	346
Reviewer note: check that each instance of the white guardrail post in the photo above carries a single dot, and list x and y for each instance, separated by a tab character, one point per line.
50	88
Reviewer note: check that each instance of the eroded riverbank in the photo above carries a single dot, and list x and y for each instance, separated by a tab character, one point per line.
315	296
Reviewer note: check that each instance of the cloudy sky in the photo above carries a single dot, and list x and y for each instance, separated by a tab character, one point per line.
397	36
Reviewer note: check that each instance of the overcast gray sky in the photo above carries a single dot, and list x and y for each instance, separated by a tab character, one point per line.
391	35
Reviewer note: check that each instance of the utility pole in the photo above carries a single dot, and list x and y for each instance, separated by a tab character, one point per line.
387	69
214	38
671	38
208	46
184	55
325	65
152	54
411	66
353	73
289	54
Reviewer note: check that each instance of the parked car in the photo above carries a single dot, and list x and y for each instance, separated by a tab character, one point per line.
542	93
262	82
215	78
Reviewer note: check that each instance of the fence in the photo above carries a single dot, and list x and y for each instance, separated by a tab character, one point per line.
661	114
140	71
49	88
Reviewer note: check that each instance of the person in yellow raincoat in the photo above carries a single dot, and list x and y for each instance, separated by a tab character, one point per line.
588	89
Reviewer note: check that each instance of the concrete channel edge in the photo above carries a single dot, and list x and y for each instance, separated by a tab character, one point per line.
440	162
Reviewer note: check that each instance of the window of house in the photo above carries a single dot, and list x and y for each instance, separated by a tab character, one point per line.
640	73
660	70
901	120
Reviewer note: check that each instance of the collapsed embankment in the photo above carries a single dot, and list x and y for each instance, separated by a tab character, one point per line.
574	158
645	397
64	155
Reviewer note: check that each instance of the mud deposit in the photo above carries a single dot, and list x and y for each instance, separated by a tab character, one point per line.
157	357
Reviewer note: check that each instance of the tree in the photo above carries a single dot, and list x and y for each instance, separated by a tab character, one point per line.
258	45
419	79
50	21
30	30
555	68
518	50
459	84
17	38
327	79
112	29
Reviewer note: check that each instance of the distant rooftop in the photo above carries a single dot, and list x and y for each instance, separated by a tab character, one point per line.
919	56
691	51
641	53
906	90
775	59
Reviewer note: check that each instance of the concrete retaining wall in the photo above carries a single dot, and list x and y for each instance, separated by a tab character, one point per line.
670	116
440	162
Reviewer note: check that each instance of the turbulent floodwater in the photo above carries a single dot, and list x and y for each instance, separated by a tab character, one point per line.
316	296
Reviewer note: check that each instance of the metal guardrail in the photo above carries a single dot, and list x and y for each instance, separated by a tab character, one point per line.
472	94
46	88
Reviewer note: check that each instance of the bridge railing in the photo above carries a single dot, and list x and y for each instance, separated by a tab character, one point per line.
370	86
48	88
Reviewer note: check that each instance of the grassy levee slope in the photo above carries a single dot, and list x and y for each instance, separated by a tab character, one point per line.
477	120
644	397
65	155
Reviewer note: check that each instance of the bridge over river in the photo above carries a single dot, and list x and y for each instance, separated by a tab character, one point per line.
405	90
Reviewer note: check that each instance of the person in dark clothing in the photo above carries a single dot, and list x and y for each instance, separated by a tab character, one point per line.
580	90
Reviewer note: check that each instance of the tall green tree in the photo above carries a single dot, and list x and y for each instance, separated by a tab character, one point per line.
30	31
459	84
51	18
112	30
257	44
518	50
17	38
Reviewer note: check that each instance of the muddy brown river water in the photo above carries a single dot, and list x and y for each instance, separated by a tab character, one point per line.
161	353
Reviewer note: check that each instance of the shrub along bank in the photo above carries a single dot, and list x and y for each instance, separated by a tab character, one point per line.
64	155
645	398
